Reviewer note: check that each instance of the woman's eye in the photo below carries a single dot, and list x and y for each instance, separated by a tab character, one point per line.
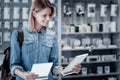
50	15
44	15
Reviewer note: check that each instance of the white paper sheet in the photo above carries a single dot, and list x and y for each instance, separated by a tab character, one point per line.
6	1
25	1
103	11
0	38
6	13
91	10
16	1
16	13
42	70
7	24
25	13
114	9
15	24
0	24
0	12
25	24
7	36
78	59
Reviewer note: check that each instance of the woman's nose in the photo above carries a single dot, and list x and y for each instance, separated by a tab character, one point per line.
48	17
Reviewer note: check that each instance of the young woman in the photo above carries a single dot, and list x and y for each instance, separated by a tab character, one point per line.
39	46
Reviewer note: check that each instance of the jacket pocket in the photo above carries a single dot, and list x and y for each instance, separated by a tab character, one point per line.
48	42
47	45
29	45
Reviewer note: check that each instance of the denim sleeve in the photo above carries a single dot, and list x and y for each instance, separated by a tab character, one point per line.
54	55
15	59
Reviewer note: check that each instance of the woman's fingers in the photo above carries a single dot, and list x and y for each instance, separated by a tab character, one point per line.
77	68
59	70
30	76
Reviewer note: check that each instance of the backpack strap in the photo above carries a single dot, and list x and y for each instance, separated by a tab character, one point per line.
20	40
20	36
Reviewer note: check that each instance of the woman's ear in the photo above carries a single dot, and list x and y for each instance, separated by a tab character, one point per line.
33	13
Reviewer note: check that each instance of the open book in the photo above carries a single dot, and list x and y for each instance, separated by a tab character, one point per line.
42	69
77	60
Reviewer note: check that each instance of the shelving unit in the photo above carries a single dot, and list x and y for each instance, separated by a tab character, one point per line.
96	62
13	15
70	24
90	33
91	49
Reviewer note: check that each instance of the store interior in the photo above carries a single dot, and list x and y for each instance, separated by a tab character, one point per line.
83	27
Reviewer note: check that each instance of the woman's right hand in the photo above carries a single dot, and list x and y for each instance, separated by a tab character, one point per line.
30	76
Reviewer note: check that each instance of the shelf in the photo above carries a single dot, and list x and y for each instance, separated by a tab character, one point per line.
1	51
85	1
89	38
8	6
91	75
95	62
100	62
77	33
90	49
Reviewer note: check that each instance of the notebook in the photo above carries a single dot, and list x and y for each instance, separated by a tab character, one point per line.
42	70
77	60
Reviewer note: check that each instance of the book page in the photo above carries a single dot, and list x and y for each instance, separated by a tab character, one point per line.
42	70
77	60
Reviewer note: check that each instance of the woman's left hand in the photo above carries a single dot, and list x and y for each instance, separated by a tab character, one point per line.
77	68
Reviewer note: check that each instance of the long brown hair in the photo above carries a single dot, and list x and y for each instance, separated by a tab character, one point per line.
38	5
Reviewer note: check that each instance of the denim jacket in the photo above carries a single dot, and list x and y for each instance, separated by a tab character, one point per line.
37	47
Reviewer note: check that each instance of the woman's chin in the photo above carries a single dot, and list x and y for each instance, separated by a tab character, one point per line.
45	26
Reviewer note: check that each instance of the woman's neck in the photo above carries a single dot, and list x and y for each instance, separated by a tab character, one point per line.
37	26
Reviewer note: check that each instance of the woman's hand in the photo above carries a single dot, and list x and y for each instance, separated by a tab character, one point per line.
59	70
77	68
30	76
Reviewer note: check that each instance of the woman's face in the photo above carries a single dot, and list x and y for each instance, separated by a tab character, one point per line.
42	17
